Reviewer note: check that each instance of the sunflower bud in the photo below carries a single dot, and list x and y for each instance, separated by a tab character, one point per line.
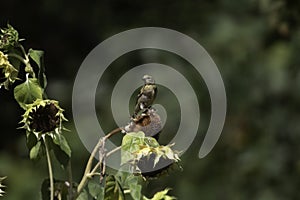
9	37
8	74
43	116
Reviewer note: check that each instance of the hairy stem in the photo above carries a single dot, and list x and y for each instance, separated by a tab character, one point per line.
70	177
113	151
50	170
107	155
23	51
89	164
25	61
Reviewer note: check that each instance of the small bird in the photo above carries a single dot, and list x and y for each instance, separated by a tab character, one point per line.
146	96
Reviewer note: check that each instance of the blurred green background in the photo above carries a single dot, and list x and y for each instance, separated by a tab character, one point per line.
255	44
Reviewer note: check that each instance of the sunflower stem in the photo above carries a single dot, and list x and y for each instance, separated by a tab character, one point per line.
87	172
50	169
69	169
20	58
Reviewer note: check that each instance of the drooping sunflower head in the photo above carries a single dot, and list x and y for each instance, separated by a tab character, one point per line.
157	161
42	117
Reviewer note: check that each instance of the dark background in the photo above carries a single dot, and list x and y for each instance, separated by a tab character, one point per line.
254	43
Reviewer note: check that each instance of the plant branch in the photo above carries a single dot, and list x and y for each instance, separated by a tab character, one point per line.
20	58
102	157
25	61
50	170
107	155
23	51
113	151
69	168
87	172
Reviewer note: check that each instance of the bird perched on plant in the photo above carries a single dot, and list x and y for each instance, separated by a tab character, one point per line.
146	96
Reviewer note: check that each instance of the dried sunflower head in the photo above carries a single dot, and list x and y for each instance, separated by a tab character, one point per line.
149	123
8	74
42	117
154	162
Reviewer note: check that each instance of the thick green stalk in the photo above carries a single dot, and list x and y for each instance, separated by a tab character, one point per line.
88	168
50	170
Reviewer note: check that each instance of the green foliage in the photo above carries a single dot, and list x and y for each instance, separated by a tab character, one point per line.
35	150
45	189
136	146
83	195
53	132
43	123
162	195
131	182
61	189
8	74
257	154
131	143
113	189
61	141
61	149
96	190
38	57
27	92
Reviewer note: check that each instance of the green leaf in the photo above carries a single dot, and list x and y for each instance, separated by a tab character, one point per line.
113	189
60	155
31	140
28	92
61	190
83	195
162	195
132	182
131	143
135	191
95	190
61	141
38	57
34	152
60	148
36	149
15	61
45	189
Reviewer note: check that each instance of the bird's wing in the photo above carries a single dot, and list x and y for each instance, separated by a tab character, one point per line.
139	95
155	91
